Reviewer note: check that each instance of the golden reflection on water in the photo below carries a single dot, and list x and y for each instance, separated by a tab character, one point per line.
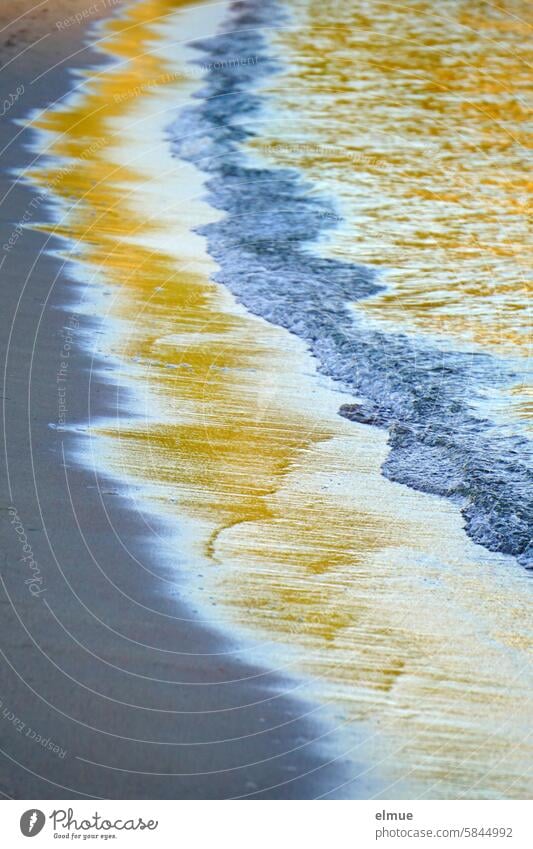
414	116
397	620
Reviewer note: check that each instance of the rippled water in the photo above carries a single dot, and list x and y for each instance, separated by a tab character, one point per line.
449	429
414	116
285	526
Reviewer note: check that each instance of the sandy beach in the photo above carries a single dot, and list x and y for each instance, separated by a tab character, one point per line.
95	657
219	581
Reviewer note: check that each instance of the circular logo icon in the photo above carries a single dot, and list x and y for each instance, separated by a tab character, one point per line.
32	822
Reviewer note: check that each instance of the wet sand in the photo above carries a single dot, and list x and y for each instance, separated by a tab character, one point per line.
100	664
412	638
406	638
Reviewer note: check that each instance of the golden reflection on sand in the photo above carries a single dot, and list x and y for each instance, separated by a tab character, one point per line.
371	591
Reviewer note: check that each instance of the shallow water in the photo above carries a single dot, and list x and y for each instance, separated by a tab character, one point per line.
415	640
415	118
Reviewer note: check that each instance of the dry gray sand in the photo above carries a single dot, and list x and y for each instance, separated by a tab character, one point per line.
106	688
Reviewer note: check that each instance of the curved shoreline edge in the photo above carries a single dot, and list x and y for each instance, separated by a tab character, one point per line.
264	245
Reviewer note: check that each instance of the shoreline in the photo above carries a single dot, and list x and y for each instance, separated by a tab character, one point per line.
408	389
283	507
316	553
74	636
